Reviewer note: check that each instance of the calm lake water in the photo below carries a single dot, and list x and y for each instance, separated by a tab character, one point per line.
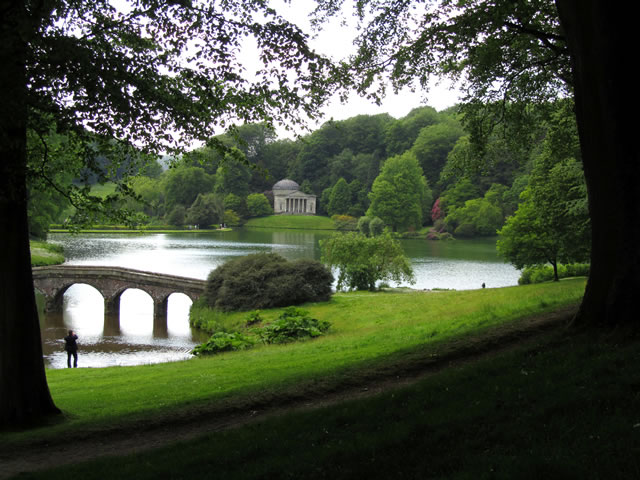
460	265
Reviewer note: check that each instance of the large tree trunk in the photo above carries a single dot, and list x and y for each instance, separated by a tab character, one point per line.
599	34
24	393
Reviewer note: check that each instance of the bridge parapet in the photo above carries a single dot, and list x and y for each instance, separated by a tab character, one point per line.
111	282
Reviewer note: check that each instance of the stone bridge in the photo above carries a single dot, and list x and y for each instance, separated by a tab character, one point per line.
111	282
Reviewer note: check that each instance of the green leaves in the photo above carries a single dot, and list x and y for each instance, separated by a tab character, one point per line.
224	342
362	261
501	49
258	205
548	226
154	77
398	195
291	325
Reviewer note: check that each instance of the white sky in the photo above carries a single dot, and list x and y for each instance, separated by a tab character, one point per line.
336	40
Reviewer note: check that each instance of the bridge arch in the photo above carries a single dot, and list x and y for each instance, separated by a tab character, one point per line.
54	301
111	282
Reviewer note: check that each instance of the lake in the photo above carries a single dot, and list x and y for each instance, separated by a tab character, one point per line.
459	264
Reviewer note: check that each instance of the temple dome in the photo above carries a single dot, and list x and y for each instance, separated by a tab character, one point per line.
286	184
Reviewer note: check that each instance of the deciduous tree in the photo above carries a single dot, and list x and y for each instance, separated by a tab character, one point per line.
339	199
258	205
551	223
433	145
206	210
363	261
508	54
154	77
183	184
398	195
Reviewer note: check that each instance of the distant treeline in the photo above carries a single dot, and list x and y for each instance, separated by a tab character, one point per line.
423	169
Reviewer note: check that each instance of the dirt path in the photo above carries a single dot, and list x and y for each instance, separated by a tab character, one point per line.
138	438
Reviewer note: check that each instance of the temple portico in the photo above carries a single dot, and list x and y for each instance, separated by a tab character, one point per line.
289	200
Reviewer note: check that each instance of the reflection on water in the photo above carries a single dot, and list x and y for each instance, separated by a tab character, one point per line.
136	339
459	264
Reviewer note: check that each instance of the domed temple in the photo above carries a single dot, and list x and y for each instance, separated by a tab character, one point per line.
289	200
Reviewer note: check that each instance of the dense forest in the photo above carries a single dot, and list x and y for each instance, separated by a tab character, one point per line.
411	172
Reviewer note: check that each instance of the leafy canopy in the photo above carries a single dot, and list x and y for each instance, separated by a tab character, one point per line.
266	280
504	55
362	261
400	194
258	205
551	223
133	78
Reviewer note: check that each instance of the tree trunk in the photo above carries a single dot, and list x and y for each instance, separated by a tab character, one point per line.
598	34
24	393
555	271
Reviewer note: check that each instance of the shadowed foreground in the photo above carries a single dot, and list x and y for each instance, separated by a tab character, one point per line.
529	401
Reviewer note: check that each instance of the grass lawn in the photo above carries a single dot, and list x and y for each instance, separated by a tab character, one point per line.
566	406
304	222
371	334
43	253
563	405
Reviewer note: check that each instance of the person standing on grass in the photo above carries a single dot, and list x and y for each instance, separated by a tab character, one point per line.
71	347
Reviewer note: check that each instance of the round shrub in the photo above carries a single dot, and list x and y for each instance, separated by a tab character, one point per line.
266	280
293	324
541	274
345	223
223	342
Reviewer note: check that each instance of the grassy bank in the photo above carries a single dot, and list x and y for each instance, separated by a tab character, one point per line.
371	335
43	253
303	222
566	406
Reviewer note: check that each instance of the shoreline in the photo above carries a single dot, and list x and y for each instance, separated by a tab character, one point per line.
140	231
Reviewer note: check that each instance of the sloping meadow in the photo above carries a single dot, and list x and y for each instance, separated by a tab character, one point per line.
370	333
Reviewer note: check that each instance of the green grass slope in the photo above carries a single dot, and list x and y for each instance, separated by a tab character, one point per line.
303	222
43	253
565	406
371	335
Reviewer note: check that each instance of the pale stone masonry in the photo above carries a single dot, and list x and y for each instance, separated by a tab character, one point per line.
289	200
